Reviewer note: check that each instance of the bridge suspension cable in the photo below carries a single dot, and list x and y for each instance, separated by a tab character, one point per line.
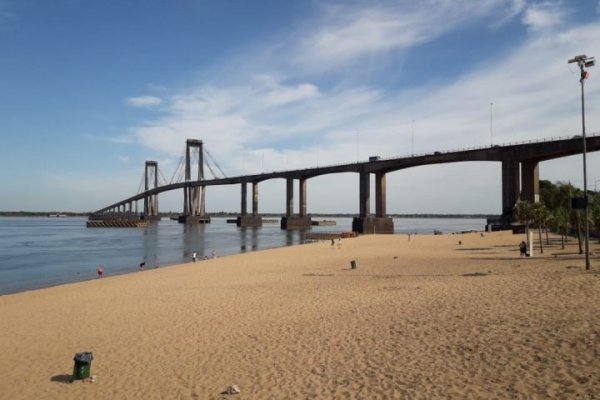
216	165
162	181
209	161
179	170
141	185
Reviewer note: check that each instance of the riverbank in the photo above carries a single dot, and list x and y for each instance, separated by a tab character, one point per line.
42	252
425	318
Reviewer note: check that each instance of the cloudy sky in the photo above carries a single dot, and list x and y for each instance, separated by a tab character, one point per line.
89	90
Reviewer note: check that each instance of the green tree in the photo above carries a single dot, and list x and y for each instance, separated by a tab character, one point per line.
576	220
524	213
595	215
540	216
557	199
562	224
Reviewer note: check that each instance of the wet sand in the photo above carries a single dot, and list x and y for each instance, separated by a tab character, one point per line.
426	318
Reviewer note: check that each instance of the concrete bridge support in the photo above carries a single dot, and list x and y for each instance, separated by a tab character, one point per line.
530	181
151	202
244	219
194	196
510	187
365	223
254	198
291	220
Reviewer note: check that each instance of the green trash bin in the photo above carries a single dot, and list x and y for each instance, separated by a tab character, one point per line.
83	362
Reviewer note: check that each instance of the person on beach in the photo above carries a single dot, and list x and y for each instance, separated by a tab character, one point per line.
100	271
194	257
523	248
332	242
142	264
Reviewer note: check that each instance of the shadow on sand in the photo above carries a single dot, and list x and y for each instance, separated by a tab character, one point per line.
63	378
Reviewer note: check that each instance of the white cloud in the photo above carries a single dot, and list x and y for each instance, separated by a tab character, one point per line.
143	101
278	94
348	33
543	15
228	118
276	121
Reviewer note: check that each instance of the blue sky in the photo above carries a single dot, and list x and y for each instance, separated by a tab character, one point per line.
89	90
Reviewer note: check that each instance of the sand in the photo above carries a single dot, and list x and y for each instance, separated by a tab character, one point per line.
426	318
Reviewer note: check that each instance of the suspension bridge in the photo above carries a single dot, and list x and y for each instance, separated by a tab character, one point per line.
520	181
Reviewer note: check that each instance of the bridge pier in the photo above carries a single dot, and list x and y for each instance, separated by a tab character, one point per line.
290	220
530	181
244	219
510	187
365	223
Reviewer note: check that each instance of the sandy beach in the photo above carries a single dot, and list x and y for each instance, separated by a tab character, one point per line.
427	318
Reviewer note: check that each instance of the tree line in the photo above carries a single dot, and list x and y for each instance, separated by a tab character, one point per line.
554	212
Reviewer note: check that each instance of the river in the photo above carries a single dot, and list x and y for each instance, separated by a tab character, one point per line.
37	252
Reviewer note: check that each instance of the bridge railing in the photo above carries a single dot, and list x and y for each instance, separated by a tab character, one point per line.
456	150
473	148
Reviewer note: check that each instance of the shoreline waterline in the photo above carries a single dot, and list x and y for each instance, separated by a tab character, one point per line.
43	252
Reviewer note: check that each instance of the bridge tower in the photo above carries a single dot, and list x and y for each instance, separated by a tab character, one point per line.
151	202
194	195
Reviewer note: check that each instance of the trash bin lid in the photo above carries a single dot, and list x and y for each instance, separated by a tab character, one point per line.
85	357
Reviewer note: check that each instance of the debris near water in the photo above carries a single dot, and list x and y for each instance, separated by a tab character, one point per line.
232	389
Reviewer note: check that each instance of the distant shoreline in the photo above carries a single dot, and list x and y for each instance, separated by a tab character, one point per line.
55	214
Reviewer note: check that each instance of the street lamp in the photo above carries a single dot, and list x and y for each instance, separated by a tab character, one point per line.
584	62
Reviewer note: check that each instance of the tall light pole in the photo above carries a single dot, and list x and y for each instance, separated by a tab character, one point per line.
584	62
491	122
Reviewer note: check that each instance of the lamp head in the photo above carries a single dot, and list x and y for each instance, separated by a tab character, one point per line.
590	62
577	59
